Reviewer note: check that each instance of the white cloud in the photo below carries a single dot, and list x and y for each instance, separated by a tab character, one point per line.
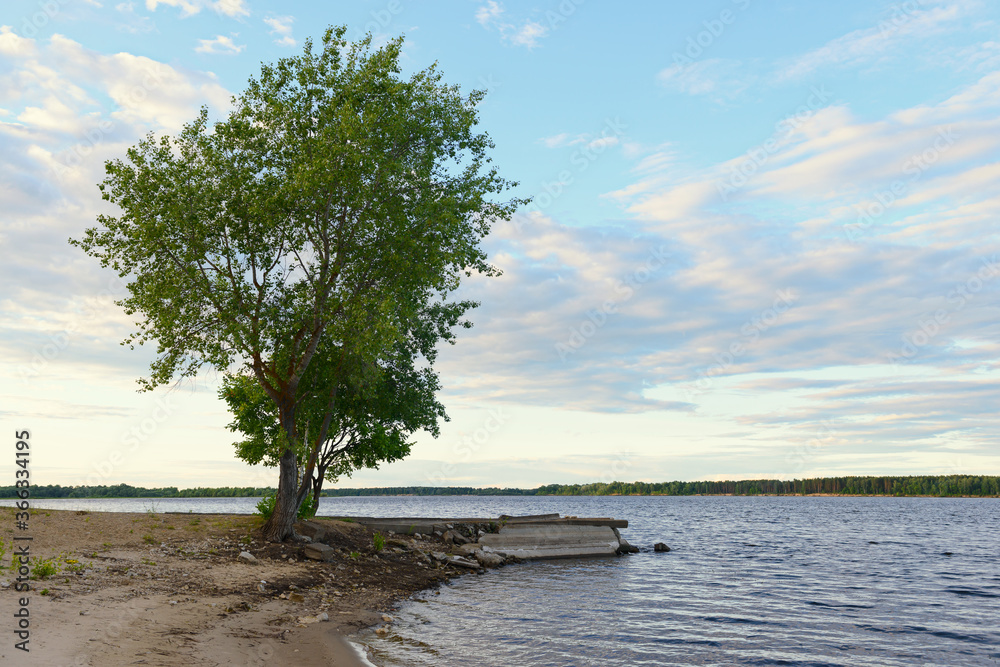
230	8
74	109
133	22
602	143
717	78
853	304
555	140
905	24
598	143
527	34
13	45
489	12
281	26
863	47
187	7
221	44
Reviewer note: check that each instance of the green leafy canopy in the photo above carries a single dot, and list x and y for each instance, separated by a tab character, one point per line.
327	220
336	192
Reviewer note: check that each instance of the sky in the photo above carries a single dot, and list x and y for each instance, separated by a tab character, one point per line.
762	241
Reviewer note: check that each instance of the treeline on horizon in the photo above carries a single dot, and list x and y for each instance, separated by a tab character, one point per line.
925	485
129	491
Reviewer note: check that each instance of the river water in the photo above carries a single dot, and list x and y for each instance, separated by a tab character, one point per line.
749	581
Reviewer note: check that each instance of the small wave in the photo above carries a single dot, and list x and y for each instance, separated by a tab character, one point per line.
698	642
839	606
919	629
789	663
973	592
962	638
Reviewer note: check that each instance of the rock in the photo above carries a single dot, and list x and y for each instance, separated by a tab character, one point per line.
247	557
660	546
488	559
4	584
454	537
323	616
625	548
468	549
439	556
319	551
462	562
310	529
296	597
387	618
382	630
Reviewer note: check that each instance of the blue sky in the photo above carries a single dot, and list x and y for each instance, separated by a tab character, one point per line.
762	242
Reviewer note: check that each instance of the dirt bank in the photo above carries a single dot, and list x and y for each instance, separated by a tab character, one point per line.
170	589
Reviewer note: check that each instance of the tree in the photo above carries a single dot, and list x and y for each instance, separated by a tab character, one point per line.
378	406
334	204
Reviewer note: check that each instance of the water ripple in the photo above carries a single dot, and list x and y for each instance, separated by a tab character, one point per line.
749	581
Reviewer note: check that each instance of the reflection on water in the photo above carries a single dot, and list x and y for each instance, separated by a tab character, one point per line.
750	581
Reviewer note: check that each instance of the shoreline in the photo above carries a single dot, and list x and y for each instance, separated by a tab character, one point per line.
171	589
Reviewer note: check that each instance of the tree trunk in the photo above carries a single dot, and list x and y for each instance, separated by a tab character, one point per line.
286	505
317	484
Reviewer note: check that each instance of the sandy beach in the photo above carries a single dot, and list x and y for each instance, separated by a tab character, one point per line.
170	589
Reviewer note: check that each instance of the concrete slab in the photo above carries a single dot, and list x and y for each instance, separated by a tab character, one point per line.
551	540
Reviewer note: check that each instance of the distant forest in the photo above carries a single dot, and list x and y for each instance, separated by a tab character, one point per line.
941	486
128	491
